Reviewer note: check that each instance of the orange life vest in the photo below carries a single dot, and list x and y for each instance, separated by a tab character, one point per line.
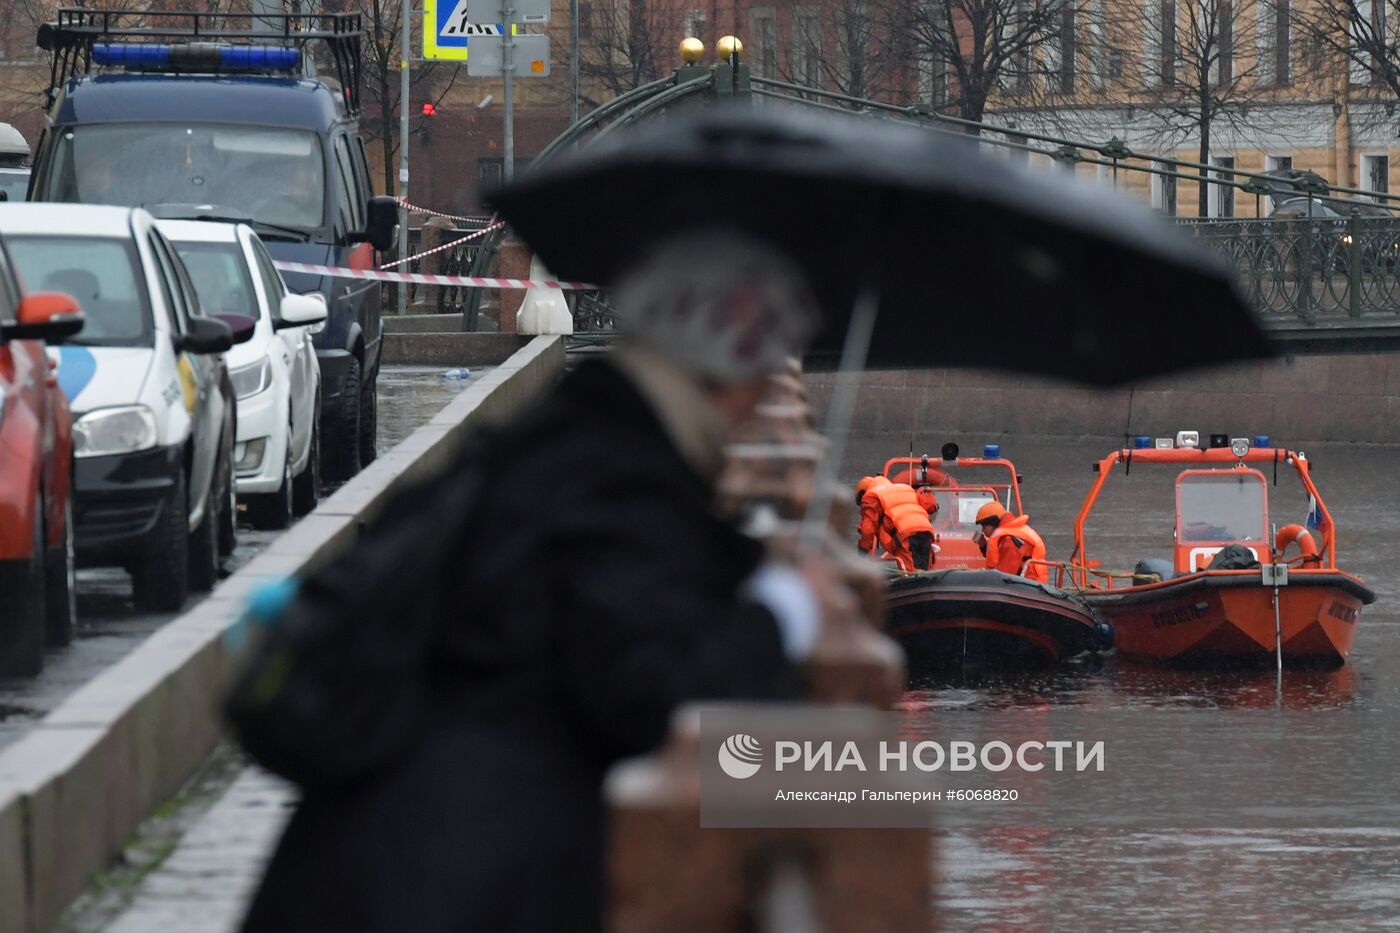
870	512
1013	543
901	516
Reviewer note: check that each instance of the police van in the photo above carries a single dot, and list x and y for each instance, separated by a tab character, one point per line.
145	110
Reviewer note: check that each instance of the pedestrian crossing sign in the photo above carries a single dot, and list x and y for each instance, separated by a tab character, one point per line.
446	30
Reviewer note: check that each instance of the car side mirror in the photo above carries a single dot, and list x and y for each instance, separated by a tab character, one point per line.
4	195
381	223
300	311
207	335
241	325
50	316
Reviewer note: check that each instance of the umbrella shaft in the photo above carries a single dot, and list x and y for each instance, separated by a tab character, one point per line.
840	415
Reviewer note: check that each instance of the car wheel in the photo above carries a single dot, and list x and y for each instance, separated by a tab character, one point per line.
342	429
204	544
306	488
22	634
228	515
273	511
61	596
160	581
369	420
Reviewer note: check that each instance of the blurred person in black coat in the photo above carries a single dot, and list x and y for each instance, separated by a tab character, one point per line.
596	592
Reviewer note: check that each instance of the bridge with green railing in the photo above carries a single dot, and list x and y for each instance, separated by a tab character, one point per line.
1323	278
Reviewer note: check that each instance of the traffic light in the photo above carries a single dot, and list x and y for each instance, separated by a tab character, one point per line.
429	108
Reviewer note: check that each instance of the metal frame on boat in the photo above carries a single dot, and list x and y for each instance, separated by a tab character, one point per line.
1299	610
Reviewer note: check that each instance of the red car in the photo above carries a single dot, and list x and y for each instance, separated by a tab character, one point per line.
36	468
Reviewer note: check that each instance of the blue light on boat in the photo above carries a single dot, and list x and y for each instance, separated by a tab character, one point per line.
991	452
259	56
134	54
1142	442
1261	440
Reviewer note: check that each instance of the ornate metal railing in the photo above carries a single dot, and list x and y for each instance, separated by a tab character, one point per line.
472	258
1312	270
1302	274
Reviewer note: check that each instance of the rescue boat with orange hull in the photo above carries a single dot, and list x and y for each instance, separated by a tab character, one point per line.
960	613
1235	593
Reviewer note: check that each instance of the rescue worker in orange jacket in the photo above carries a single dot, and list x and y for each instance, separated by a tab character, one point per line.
905	530
1010	542
869	505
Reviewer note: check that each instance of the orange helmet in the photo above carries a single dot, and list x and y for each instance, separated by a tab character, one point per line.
992	511
927	499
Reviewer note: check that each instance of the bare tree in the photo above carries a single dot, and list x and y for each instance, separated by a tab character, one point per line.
380	56
979	50
21	80
847	46
1362	35
625	44
1203	62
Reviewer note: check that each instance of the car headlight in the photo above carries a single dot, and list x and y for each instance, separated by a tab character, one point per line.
121	430
251	379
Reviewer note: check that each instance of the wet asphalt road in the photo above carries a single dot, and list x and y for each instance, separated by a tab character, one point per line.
109	626
1181	868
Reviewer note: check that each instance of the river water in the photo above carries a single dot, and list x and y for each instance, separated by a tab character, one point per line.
1159	843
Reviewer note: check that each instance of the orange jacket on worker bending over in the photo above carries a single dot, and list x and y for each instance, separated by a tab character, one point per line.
870	511
901	517
1013	543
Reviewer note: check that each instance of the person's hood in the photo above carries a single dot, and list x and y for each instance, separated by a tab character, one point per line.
99	377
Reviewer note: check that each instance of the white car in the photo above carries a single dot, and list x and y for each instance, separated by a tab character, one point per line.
14	164
152	404
275	374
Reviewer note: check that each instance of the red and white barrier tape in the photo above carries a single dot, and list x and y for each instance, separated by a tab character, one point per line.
465	281
414	208
445	246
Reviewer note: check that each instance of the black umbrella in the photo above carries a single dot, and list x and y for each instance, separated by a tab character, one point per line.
974	262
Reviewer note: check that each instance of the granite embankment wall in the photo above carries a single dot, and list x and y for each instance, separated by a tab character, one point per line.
1353	398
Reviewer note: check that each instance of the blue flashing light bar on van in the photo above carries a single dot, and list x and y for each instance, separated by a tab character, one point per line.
203	56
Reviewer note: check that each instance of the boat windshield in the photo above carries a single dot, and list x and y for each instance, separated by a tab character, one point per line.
994	478
1221	505
957	510
272	174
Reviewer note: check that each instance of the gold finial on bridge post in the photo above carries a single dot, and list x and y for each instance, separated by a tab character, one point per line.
692	50
728	47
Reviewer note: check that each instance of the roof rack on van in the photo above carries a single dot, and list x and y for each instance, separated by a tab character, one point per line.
202	43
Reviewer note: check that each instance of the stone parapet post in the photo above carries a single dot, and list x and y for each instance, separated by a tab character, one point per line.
512	262
665	871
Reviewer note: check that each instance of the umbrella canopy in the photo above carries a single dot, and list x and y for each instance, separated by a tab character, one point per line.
975	262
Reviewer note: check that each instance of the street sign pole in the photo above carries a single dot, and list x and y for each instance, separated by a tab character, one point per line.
573	61
507	73
406	46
